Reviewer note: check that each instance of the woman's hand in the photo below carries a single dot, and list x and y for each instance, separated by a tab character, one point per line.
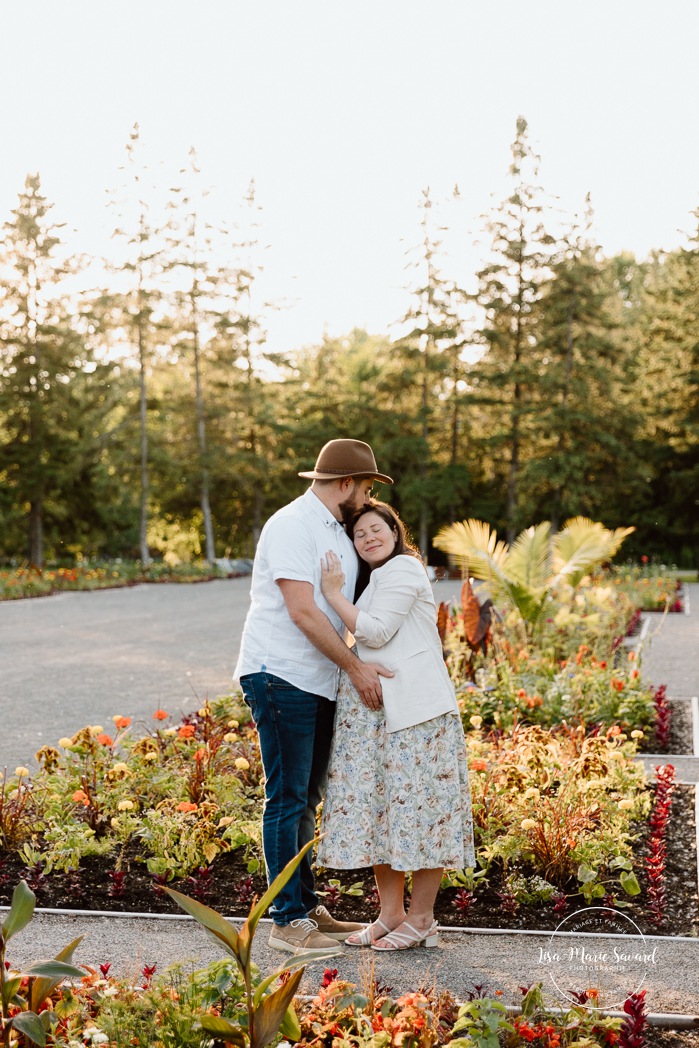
332	576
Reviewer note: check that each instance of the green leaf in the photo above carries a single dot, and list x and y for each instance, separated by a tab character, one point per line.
290	1027
263	986
248	930
223	1030
43	987
586	873
216	926
268	1017
54	970
10	989
629	883
30	1025
21	910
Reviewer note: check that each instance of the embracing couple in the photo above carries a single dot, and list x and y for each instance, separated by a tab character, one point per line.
374	726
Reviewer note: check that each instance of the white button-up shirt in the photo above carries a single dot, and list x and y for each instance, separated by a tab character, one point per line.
291	546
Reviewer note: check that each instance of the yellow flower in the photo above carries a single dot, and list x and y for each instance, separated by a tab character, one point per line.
65	742
203	711
242	764
636	734
115	824
476	721
531	792
152	756
625	804
528	824
233	724
21	772
170	732
96	729
121	769
125	805
230	736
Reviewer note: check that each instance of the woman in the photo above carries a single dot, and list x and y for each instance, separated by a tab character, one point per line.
397	796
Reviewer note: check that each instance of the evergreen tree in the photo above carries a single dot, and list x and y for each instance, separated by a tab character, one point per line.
133	308
509	291
582	434
41	353
426	380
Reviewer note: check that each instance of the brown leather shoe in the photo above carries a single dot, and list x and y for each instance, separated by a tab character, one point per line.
327	924
302	939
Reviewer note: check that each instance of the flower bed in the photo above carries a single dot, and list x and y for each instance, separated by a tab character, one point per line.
561	819
36	582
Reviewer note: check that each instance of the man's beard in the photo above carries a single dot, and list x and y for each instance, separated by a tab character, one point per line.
349	507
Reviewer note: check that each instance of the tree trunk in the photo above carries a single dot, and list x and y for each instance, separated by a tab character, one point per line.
143	537
201	436
558	491
36	532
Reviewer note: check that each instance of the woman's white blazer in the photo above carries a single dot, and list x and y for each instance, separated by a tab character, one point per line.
396	627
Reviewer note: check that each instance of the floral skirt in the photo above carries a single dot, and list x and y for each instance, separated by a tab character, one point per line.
399	798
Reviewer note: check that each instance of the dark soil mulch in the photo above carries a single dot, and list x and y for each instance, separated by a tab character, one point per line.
227	886
656	1038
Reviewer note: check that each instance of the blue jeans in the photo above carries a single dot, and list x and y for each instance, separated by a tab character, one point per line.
295	730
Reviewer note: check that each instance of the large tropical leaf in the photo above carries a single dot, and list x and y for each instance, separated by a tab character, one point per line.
21	910
247	932
223	1030
268	1016
215	926
582	545
528	558
43	986
29	1024
474	542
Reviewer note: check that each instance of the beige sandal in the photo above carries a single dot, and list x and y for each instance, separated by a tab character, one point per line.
364	937
398	940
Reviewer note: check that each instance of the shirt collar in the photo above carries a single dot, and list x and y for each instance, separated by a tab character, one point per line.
321	510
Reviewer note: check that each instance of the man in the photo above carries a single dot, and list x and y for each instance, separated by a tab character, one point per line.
292	650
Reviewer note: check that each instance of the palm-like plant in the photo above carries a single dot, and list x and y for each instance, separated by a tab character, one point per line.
526	573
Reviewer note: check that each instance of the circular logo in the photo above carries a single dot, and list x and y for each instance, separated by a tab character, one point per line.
597	956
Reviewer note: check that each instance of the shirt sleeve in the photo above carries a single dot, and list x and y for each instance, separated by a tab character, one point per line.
291	551
397	588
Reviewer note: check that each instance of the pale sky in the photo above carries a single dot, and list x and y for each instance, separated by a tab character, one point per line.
343	112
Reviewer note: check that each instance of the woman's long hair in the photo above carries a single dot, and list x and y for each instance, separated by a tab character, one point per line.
404	544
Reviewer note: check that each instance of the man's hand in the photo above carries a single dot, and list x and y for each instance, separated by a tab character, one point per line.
366	677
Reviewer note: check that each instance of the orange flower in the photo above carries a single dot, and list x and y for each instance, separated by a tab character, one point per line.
186	806
634	675
618	685
522	694
200	755
80	797
105	740
479	764
603	664
161	715
121	722
534	700
186	731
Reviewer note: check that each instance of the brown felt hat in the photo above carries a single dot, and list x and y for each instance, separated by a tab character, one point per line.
345	458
